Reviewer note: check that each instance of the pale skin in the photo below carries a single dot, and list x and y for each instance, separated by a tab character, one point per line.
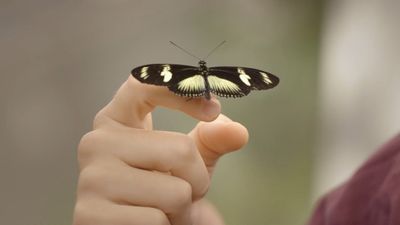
131	174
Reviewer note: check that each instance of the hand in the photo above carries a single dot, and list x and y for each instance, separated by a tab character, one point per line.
133	175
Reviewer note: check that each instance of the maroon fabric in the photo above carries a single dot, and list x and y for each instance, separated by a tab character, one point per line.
370	197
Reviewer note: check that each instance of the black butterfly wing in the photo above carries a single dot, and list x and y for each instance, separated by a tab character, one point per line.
183	80
160	74
226	84
227	81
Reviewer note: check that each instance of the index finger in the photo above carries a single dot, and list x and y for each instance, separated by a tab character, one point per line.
134	101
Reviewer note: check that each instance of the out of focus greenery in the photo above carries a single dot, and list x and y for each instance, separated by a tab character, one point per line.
64	60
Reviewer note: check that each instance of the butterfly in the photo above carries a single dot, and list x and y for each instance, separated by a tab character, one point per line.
192	81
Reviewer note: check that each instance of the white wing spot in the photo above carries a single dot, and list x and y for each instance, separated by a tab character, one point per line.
266	78
194	83
223	85
244	77
166	73
143	72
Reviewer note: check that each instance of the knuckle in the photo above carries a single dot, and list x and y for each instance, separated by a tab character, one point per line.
180	196
185	148
88	143
158	217
81	214
203	189
89	179
98	118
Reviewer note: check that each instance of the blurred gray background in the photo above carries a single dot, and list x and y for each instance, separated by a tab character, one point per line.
62	61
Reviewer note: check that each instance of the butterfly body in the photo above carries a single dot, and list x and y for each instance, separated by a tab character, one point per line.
204	72
191	81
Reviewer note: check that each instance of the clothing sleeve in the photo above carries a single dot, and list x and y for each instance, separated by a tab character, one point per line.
370	197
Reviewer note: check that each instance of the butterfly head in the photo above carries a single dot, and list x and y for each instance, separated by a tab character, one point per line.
202	64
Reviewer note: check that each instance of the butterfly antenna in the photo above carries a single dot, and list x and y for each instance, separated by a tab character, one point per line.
212	51
187	52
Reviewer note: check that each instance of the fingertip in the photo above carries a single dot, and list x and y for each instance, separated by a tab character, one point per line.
223	135
216	138
238	134
211	109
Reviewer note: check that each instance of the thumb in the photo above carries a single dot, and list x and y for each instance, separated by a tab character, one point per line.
216	138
